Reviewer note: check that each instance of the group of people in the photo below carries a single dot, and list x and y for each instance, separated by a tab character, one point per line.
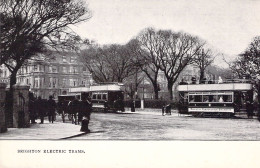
39	108
78	110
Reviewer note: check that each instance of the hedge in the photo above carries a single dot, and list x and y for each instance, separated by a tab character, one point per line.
151	103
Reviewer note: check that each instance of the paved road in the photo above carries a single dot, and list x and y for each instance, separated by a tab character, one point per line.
151	125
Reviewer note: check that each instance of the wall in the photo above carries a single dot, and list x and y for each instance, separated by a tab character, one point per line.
3	127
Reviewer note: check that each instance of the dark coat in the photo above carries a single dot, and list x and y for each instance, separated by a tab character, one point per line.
51	106
86	108
40	107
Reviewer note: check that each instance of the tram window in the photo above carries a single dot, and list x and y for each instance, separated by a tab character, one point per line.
104	96
211	98
94	96
198	98
99	96
191	98
205	98
227	98
220	99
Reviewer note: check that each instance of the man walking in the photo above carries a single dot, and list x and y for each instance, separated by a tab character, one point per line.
51	109
40	109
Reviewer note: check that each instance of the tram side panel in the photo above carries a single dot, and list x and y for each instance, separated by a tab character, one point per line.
110	101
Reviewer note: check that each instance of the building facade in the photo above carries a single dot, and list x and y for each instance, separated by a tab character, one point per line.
51	75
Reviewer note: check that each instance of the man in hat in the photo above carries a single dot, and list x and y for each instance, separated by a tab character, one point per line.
51	109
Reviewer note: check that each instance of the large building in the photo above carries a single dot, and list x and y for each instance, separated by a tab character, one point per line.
51	75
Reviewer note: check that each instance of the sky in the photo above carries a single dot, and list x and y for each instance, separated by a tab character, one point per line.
227	25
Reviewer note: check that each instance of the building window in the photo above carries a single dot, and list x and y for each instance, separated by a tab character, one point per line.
73	82
35	68
73	59
50	82
64	69
53	69
73	70
55	82
64	81
36	82
64	59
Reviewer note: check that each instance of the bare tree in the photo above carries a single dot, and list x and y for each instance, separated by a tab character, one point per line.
34	26
203	60
248	63
146	49
175	51
109	63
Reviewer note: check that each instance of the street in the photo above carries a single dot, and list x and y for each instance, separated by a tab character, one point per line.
151	125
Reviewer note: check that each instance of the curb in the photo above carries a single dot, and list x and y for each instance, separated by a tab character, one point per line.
73	136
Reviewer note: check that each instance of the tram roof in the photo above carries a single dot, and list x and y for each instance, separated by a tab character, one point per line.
107	87
79	89
215	87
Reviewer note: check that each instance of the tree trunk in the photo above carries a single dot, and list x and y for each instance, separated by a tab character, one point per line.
201	75
156	91
170	85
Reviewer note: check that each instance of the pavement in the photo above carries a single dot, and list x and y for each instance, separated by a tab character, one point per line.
45	131
58	129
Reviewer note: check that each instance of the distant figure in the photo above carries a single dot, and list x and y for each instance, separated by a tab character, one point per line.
249	109
193	80
183	82
221	99
51	109
220	79
121	105
40	108
132	105
32	110
74	109
105	106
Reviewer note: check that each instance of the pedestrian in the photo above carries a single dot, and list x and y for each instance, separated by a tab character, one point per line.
51	109
31	108
132	105
121	104
249	109
60	109
74	109
105	106
86	109
39	105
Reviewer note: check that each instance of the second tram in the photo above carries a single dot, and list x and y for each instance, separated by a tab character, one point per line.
221	100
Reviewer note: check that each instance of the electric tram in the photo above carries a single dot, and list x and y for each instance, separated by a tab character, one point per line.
108	96
215	99
104	96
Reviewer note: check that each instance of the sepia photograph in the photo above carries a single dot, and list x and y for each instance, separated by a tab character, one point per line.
117	83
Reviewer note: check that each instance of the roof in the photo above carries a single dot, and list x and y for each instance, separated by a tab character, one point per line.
215	87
